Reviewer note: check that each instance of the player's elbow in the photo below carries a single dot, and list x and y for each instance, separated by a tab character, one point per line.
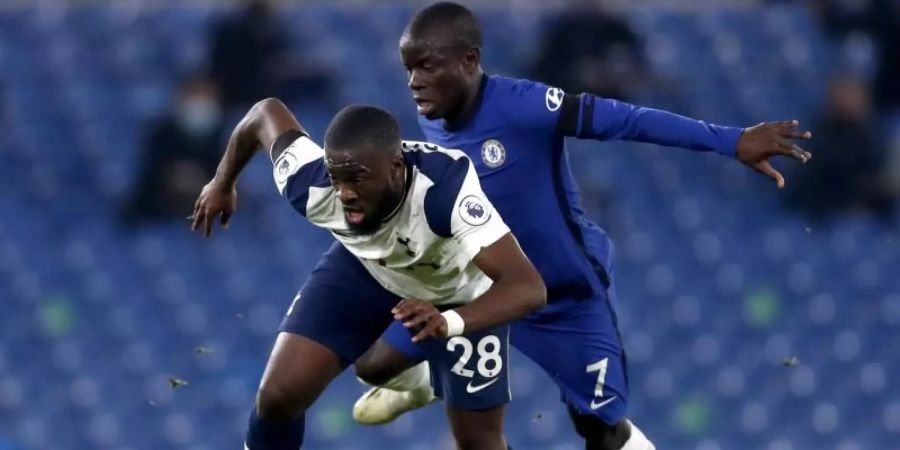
534	291
259	114
540	294
268	119
267	107
525	289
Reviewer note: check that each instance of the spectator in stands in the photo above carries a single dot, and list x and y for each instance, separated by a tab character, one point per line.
181	151
590	49
879	21
847	172
842	17
252	58
887	78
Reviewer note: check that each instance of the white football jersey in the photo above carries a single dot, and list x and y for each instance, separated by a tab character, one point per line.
424	250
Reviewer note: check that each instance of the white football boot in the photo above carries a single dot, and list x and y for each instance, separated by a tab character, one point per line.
408	391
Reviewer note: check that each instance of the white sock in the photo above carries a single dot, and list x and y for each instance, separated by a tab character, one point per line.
415	377
637	441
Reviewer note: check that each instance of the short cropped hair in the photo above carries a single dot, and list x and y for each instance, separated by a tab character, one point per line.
455	19
357	126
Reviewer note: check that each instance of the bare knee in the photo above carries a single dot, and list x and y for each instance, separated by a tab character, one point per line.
382	363
373	371
288	388
275	402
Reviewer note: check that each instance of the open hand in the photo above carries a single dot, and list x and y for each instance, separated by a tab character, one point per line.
419	313
768	139
215	199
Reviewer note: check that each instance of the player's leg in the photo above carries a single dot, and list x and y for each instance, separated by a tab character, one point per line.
477	430
577	344
401	380
337	315
598	435
471	373
287	390
391	355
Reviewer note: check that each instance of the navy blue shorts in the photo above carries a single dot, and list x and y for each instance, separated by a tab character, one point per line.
470	372
578	346
343	308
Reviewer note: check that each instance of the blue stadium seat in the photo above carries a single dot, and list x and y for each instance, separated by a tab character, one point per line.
713	294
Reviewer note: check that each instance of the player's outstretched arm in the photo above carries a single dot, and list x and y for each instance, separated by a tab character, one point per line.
517	290
261	126
588	116
759	143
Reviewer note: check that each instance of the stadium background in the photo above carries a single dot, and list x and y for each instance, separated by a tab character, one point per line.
748	325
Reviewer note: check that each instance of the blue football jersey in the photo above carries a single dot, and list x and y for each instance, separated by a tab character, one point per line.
516	139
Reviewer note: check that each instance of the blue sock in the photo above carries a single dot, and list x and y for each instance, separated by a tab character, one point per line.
274	435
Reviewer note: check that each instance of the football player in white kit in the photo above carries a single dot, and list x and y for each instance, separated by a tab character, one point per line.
419	242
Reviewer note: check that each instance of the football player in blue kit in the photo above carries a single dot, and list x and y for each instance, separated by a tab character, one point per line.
416	236
514	131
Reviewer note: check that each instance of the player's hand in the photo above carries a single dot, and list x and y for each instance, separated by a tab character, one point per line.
768	139
216	199
418	313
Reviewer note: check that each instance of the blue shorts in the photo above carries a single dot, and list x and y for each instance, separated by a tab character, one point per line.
470	372
340	306
578	346
343	308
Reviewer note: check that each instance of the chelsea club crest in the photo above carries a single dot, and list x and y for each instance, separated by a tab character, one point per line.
492	153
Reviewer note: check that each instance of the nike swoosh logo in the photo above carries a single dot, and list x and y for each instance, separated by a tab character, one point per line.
473	389
595	405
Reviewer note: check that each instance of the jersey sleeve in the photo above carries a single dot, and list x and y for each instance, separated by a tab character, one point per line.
299	167
535	106
456	208
588	116
474	222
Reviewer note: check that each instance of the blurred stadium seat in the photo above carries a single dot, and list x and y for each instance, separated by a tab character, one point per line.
717	284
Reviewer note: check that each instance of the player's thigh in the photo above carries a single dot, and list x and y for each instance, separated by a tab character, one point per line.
578	346
477	430
471	372
340	307
391	354
298	371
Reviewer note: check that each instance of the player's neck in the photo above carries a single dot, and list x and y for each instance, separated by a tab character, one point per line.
470	106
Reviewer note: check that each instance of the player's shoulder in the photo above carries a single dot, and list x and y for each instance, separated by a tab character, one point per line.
526	101
527	89
423	147
434	161
447	169
509	84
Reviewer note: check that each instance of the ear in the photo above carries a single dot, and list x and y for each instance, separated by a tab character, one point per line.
472	59
397	163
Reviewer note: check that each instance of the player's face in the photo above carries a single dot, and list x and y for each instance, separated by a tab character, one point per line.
369	184
437	74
